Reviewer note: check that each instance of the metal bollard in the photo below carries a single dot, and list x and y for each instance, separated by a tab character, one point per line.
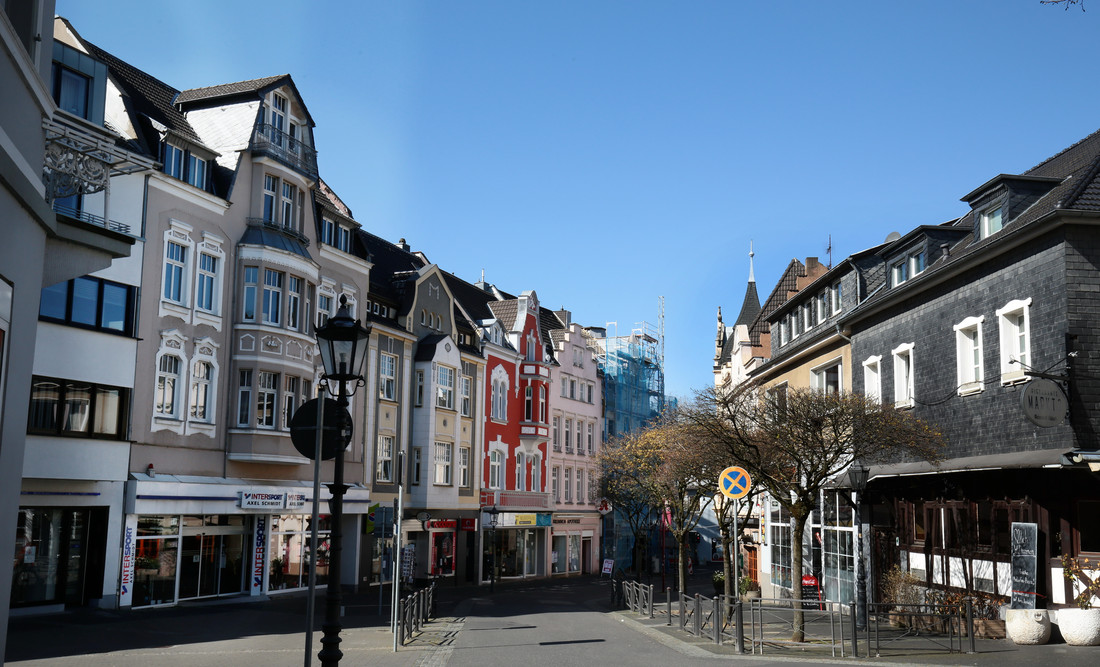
668	604
970	623
739	626
716	619
698	613
855	634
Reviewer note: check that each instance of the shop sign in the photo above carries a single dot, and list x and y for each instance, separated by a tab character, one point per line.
258	554
525	519
295	501
573	520
442	523
543	519
251	500
127	560
1043	403
467	524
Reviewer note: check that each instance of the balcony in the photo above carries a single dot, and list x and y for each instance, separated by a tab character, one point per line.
516	501
273	142
91	219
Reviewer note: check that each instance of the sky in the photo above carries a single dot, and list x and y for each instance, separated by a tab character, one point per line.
609	153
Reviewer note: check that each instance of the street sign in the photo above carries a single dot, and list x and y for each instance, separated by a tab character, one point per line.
604	506
734	482
335	432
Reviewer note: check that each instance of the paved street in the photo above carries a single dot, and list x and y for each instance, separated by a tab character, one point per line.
561	622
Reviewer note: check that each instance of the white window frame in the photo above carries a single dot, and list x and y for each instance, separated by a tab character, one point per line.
521	471
904	372
1014	362
568	435
969	365
555	483
328	235
528	403
445	387
245	381
464	467
270	198
207	283
536	474
836	295
591	437
251	293
387	376
465	395
555	432
444	458
986	221
267	393
580	485
202	390
418	396
271	309
169	381
819	374
872	378
496	469
383	462
568	484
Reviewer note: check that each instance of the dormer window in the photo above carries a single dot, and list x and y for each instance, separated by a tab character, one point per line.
907	268
185	165
991	222
79	84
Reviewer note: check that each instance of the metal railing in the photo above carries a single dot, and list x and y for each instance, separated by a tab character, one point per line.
91	219
896	626
269	139
413	611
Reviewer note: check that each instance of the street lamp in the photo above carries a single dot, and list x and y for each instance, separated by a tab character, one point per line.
343	343
857	479
493	513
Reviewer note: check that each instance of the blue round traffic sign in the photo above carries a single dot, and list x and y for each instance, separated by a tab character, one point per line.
734	482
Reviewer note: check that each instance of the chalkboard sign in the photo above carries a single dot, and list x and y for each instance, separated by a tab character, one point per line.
1025	553
811	592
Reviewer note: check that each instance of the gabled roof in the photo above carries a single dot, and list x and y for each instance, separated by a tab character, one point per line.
505	311
391	266
227	93
788	284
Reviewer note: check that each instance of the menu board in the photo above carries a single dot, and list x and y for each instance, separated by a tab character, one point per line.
1025	552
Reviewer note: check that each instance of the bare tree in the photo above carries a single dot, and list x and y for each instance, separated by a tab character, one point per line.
797	443
1064	3
624	477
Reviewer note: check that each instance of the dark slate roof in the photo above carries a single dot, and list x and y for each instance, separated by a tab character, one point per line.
788	283
388	260
425	349
750	306
259	235
236	89
147	98
473	299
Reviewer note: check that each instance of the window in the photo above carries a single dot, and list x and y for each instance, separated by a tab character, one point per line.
83	409
271	185
196	171
293	303
205	292
1014	323
528	403
71	90
807	310
916	263
251	277
555	484
91	303
968	355
536	474
903	375
466	388
822	305
165	400
531	356
201	375
521	472
415	472
464	467
591	438
343	239
572	388
580	485
445	387
500	397
328	228
569	436
837	296
290	400
273	297
589	393
443	451
278	112
872	378
383	462
324	309
419	397
265	399
578	357
496	464
568	485
244	398
777	401
542	405
826	378
556	433
580	437
290	194
564	386
173	161
991	222
175	268
781	537
387	376
899	272
907	268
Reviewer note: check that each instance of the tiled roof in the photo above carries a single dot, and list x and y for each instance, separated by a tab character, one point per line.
505	311
788	283
473	299
329	199
229	89
750	306
147	98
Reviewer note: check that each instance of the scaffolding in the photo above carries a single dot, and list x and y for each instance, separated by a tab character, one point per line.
634	376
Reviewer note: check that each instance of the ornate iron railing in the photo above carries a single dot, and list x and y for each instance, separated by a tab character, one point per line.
267	138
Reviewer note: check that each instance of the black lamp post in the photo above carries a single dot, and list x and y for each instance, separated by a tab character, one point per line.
343	344
857	478
493	513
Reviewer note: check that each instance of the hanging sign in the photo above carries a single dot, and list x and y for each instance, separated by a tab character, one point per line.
1043	402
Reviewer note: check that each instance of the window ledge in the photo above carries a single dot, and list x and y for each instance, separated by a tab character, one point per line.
970	388
907	404
1013	377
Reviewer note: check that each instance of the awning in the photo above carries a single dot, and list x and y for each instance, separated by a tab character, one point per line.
1041	458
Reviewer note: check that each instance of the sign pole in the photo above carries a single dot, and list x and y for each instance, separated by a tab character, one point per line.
395	577
311	601
736	549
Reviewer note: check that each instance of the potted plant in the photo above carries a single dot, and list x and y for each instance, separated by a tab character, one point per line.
748	588
719	581
1080	626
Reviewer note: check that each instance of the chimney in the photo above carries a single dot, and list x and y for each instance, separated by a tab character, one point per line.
404	246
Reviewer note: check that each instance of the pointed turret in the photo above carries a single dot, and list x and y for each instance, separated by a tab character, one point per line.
720	339
750	306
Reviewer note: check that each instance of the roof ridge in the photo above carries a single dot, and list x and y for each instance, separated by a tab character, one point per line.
235	83
1062	152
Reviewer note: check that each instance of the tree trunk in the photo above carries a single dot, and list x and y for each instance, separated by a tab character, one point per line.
681	556
799	631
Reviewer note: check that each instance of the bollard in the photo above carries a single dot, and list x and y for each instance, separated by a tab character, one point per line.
698	613
668	604
716	619
855	634
739	626
970	623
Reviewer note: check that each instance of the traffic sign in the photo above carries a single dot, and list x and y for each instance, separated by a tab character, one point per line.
734	482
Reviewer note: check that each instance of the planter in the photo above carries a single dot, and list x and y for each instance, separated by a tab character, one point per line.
1028	626
748	596
1080	627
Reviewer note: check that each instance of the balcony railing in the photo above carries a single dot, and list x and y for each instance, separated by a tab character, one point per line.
285	230
91	219
290	151
516	500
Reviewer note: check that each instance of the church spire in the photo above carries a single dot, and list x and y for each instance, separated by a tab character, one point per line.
750	307
752	278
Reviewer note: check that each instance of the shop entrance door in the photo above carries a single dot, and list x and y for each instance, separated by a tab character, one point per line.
211	558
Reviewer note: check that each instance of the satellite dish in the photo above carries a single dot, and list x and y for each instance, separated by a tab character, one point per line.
892	236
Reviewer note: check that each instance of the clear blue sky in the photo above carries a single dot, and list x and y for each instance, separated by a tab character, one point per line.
607	153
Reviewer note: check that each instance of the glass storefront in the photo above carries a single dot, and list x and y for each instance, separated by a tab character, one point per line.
187	557
289	551
156	554
566	554
838	574
57	557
